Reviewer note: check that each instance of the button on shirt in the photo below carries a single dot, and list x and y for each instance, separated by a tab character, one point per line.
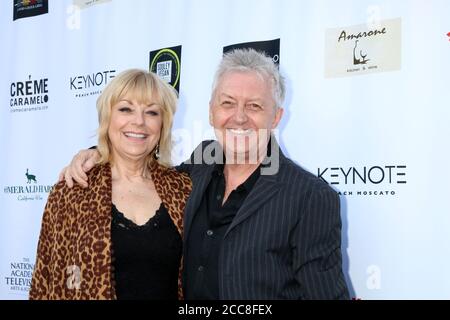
210	223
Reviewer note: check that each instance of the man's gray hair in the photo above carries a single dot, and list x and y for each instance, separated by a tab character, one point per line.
250	60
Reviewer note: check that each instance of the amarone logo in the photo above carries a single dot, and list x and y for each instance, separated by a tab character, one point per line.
363	49
30	189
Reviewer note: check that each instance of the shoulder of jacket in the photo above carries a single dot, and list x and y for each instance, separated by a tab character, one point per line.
304	177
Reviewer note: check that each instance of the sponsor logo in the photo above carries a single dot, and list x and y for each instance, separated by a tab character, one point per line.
358	56
20	275
90	84
377	180
361	49
29	8
269	47
30	190
166	63
29	95
82	4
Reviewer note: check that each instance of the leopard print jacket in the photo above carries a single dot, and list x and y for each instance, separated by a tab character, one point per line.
74	250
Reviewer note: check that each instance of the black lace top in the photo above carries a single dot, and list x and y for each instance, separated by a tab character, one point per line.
145	258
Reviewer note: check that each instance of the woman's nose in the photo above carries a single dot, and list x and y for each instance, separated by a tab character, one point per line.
139	118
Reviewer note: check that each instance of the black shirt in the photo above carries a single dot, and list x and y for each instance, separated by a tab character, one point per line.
145	258
208	228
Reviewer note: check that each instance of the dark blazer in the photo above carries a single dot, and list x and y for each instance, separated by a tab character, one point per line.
285	240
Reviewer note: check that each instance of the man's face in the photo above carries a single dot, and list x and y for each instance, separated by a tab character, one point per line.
243	113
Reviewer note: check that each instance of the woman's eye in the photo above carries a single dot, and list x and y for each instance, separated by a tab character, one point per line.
152	113
125	109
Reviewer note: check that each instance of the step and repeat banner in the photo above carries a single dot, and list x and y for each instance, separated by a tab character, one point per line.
367	111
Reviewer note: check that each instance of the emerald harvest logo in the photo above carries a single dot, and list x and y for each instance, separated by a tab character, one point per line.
30	177
30	189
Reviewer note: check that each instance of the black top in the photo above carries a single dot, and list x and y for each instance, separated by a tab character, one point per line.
145	258
210	223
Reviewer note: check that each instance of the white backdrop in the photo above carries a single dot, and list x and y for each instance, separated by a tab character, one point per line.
389	119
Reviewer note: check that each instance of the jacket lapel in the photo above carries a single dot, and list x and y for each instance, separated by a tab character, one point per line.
200	180
265	188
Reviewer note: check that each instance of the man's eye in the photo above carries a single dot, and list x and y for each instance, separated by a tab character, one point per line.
254	106
227	103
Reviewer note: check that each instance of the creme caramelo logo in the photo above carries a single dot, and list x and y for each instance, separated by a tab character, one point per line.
29	190
29	95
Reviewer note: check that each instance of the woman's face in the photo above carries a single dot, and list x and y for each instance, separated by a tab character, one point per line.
135	128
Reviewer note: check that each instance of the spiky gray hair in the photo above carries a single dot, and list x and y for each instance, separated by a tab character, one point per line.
250	60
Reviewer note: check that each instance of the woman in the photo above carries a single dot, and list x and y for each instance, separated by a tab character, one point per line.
122	236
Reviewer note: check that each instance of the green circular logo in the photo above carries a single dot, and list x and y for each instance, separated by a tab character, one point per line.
166	64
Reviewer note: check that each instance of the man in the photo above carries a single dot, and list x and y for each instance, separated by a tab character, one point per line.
257	226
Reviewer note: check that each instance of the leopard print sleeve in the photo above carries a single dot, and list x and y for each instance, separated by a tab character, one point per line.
41	280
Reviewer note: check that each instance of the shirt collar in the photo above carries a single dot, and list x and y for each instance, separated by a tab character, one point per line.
251	180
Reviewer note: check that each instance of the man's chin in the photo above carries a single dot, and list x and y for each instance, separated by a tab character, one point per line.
241	156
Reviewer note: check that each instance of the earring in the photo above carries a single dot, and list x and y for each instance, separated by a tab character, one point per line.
157	155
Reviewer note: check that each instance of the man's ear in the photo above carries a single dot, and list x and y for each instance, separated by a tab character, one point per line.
210	113
278	116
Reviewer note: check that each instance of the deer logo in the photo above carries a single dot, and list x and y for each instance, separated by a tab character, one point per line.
30	177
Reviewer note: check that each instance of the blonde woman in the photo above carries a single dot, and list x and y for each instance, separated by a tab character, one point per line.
121	237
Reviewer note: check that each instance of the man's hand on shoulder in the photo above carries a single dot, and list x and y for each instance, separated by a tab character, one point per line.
81	163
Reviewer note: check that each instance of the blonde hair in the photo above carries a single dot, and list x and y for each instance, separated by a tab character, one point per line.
143	86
